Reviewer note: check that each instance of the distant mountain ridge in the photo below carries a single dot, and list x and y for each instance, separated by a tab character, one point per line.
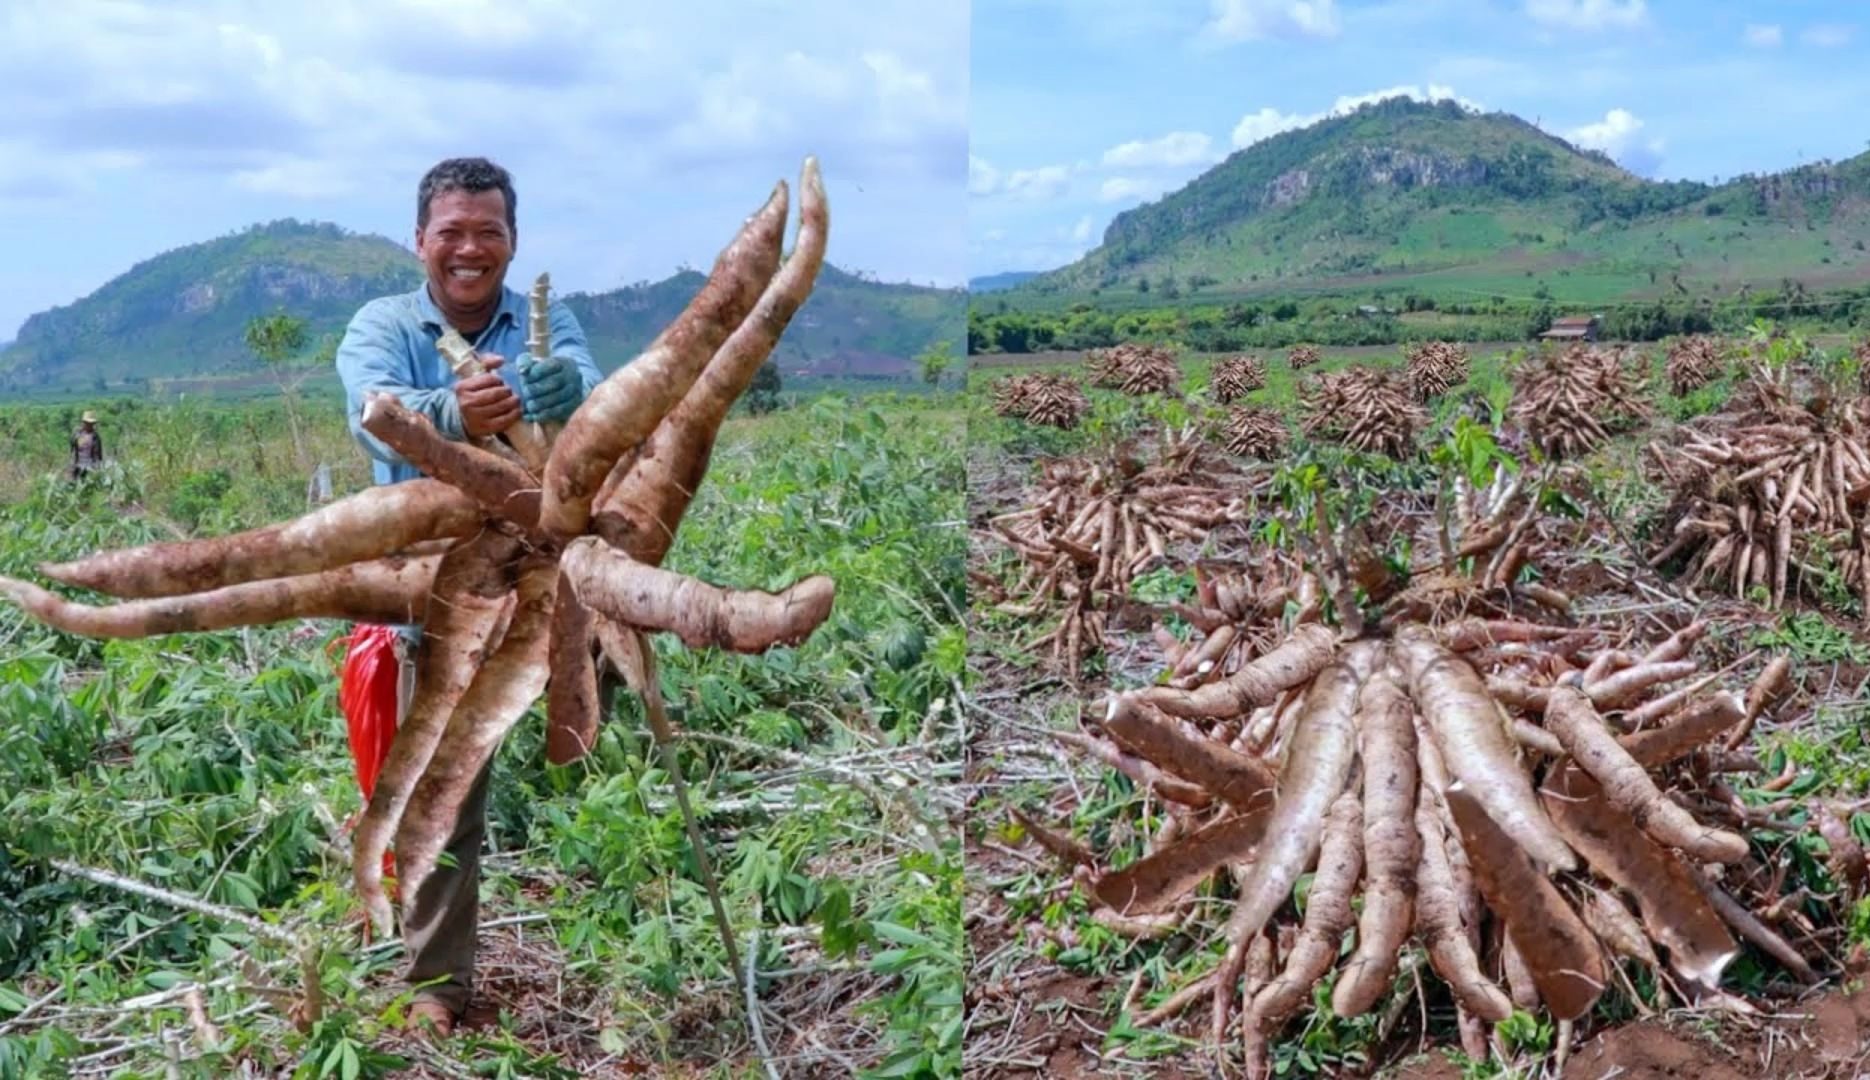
1433	196
1004	280
181	314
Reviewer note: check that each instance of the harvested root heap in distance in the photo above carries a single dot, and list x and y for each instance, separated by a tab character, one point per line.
1570	402
1134	369
515	575
1366	409
1049	400
1256	433
1434	367
1236	377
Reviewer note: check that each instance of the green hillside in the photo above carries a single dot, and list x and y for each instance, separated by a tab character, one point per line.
1433	199
178	318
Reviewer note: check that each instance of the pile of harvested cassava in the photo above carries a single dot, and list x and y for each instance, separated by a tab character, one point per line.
513	573
1256	432
1301	357
1569	402
1238	376
1696	361
1051	400
1497	790
1134	369
1759	487
1367	409
1862	355
1095	524
1435	366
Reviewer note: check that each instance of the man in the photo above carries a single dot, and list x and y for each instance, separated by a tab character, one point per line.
87	447
466	235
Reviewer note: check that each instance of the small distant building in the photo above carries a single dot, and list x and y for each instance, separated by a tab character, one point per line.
1573	328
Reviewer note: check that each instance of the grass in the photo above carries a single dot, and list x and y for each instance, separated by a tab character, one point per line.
214	766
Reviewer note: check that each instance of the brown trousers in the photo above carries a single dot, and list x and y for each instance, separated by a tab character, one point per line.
441	927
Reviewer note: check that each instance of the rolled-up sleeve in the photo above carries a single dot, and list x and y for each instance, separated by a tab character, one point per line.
374	358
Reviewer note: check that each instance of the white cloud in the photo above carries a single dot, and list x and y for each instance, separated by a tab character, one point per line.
1035	185
1251	20
1763	37
1588	14
1119	188
1265	124
982	177
1081	232
1619	135
1174	149
1827	35
1268	121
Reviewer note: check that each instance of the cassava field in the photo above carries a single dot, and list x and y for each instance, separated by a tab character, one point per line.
1419	712
174	848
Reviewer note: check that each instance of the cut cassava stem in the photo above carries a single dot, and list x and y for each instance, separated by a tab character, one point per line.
371	524
387	590
626	407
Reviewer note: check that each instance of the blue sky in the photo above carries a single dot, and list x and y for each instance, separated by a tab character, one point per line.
639	135
1084	108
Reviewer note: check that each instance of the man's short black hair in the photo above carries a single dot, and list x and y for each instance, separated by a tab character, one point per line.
472	175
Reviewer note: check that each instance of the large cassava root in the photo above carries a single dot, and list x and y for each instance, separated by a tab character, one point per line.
513	575
1505	826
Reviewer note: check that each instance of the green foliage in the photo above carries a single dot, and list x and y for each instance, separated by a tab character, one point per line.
934	362
1810	638
274	338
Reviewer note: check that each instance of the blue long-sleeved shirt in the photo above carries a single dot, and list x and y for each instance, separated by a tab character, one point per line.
389	347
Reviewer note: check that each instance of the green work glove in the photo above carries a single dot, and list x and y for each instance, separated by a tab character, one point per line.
553	388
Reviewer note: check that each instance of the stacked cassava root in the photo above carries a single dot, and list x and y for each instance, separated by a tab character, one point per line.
1570	402
1694	362
1759	486
1256	433
513	574
1238	376
1435	366
1050	400
1300	357
1134	369
1367	409
1094	525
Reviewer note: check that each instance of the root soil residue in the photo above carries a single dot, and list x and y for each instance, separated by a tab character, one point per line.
1822	1038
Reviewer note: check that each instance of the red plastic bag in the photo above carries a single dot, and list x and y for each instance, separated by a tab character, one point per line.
370	696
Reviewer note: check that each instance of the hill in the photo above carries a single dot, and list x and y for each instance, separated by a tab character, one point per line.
1404	196
180	315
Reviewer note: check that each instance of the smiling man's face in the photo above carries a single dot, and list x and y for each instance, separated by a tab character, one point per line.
466	247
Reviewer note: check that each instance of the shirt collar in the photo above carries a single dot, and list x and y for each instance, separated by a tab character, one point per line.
511	306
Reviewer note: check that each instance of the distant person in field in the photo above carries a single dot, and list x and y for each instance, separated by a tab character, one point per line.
87	447
466	235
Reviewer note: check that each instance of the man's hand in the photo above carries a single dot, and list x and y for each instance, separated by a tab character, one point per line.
554	387
488	405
